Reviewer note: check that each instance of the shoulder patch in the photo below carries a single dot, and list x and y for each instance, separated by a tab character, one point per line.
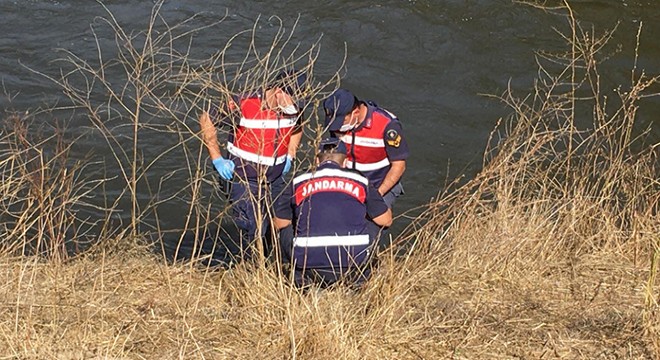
393	138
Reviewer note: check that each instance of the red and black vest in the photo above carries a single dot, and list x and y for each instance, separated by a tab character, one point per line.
261	135
366	146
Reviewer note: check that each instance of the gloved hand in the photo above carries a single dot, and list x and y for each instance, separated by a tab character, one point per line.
225	167
287	165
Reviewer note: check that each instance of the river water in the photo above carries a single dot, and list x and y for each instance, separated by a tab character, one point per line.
428	61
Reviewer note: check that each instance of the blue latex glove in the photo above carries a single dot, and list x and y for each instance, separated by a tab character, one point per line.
225	167
287	165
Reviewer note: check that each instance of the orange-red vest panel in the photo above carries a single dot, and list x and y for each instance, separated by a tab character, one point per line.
368	152
262	135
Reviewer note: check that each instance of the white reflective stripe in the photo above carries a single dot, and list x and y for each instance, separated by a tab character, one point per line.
318	241
363	141
259	159
285	122
370	166
331	172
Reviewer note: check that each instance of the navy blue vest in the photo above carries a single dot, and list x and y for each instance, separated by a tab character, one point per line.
331	213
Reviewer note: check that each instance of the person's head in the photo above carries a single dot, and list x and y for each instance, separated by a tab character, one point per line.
332	149
342	111
288	89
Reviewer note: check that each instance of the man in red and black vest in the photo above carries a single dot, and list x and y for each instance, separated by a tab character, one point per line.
261	145
330	209
374	138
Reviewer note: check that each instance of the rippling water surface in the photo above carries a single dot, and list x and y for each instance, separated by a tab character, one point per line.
428	61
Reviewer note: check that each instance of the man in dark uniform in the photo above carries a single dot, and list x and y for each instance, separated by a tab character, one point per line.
324	215
264	135
374	138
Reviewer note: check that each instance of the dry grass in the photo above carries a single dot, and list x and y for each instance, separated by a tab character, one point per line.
469	304
551	251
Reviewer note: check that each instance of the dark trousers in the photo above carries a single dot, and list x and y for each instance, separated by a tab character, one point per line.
324	277
251	204
390	198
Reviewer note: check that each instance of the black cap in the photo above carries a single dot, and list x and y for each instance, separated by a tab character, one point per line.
339	104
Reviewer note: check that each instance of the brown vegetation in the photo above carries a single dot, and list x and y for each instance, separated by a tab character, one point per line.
551	251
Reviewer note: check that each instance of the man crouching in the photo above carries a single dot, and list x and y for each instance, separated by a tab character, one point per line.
327	221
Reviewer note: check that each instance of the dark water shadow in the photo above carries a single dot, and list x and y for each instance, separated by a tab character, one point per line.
210	246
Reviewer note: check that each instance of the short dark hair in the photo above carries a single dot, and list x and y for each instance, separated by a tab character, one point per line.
328	148
331	156
332	144
332	149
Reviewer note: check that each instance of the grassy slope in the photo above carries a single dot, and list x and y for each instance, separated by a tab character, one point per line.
550	252
487	298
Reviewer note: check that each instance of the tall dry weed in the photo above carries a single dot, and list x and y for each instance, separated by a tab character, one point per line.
551	251
45	195
560	229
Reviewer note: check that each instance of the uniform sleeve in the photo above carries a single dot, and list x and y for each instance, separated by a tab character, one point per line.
284	204
375	204
396	145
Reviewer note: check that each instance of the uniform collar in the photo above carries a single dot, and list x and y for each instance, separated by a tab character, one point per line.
368	119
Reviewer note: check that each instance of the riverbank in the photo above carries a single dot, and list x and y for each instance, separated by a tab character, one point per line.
513	264
550	251
509	286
